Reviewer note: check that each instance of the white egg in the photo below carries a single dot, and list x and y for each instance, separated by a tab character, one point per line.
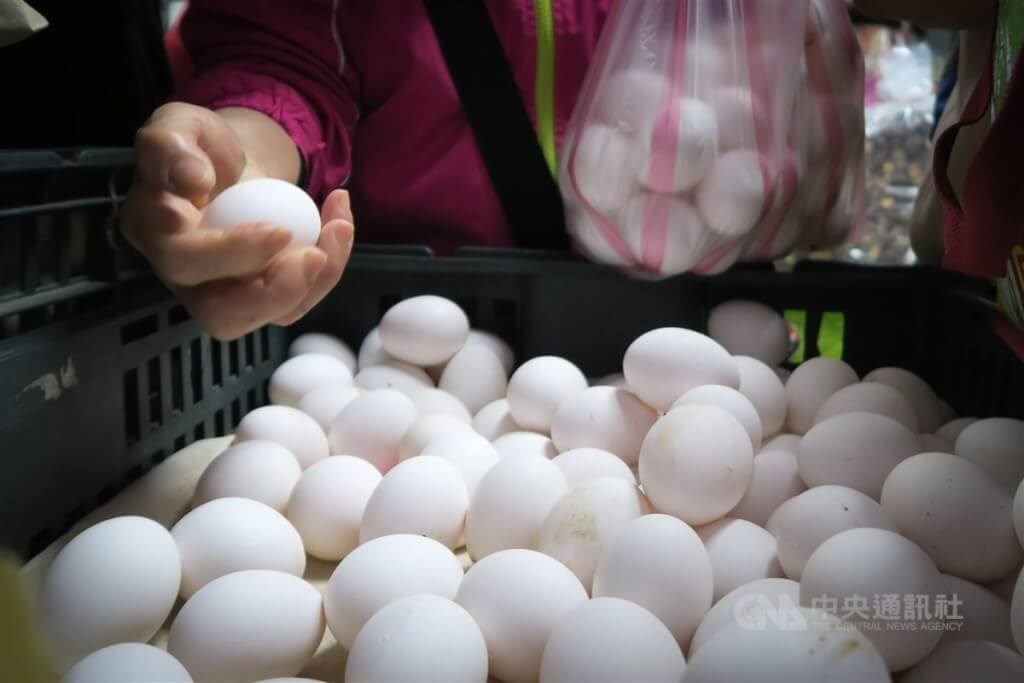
580	465
538	387
260	470
811	645
775	481
986	616
967	660
607	418
957	512
1017	613
426	429
323	344
664	364
736	109
472	455
517	597
438	401
499	346
394	374
418	638
1003	588
659	563
809	386
665	232
266	200
128	663
731	400
510	504
494	420
749	328
917	391
300	375
952	430
608	640
1018	513
680	145
732	196
784	442
869	397
326	403
424	330
857	450
756	604
852	570
247	626
741	552
579	526
371	352
760	384
476	376
290	427
372	426
997	444
381	571
524	443
425	495
628	99
232	534
114	582
592	241
604	168
802	524
696	463
328	502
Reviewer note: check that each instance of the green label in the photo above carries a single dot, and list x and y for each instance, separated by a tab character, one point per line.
1009	38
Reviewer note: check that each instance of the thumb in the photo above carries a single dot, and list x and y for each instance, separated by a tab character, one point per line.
188	151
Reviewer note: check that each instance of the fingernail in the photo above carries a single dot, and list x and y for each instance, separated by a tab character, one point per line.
188	175
313	261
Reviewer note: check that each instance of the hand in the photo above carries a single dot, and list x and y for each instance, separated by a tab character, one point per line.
231	281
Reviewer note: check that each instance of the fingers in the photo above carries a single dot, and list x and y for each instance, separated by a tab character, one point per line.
336	207
188	151
162	227
336	242
228	309
197	256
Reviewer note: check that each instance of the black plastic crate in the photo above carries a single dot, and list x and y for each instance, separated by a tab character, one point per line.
57	213
932	322
102	374
99	389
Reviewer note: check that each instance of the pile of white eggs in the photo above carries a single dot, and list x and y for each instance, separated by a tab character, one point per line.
692	175
704	516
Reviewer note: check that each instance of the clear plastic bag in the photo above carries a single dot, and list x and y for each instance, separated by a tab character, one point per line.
831	115
679	155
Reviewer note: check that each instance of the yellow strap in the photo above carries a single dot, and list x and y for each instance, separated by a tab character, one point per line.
544	94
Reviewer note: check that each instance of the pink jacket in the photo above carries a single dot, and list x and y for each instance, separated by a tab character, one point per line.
363	89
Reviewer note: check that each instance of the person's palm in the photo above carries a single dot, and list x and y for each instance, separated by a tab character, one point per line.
231	281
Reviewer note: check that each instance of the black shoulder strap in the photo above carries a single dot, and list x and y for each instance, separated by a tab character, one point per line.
502	128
